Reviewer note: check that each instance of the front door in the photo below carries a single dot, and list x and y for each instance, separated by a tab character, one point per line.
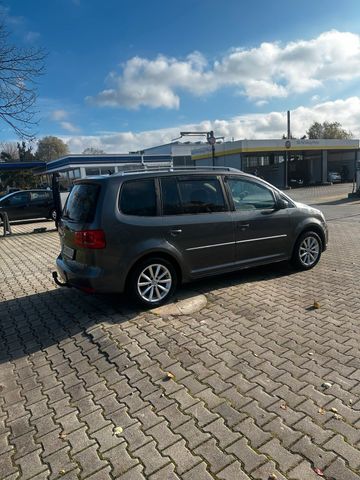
17	206
261	230
197	222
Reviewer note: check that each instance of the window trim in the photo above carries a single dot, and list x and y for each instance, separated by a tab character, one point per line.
245	179
156	190
179	178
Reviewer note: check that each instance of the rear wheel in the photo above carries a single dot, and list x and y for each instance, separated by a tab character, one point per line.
153	282
53	214
307	251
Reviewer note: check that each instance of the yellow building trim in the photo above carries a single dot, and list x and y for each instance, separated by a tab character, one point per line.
297	148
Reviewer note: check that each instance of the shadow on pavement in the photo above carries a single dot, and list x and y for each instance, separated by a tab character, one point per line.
341	201
35	322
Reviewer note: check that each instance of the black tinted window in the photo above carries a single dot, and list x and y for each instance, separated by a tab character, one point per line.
138	197
17	199
81	203
201	195
170	196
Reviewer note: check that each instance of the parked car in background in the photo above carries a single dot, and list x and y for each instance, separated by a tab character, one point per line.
148	231
28	204
334	177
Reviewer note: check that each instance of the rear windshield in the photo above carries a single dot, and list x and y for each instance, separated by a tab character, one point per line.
81	203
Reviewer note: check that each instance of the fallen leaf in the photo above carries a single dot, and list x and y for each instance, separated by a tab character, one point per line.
337	416
316	305
62	472
118	431
326	385
283	406
169	376
272	476
322	411
334	410
62	435
311	353
319	472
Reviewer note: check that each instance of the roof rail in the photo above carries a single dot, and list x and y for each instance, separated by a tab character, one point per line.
176	169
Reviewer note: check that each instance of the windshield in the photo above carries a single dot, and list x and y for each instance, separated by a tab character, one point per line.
81	203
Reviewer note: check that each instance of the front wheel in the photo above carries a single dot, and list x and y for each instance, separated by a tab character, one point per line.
153	282
307	251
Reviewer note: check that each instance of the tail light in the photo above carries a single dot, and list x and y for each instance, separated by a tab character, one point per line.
90	239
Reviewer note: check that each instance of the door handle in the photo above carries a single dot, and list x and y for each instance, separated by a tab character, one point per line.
243	226
175	231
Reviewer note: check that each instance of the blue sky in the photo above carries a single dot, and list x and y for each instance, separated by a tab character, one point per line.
122	75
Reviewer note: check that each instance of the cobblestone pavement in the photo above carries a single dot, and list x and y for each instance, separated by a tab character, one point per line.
26	227
84	390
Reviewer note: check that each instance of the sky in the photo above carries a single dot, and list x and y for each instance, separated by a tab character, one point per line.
124	75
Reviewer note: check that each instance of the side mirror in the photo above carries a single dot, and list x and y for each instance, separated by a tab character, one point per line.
281	204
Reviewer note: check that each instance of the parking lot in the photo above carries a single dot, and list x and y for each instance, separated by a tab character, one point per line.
256	385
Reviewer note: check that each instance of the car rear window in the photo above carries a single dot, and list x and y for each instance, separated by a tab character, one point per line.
81	203
138	197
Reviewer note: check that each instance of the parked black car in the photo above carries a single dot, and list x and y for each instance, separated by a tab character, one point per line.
149	231
28	204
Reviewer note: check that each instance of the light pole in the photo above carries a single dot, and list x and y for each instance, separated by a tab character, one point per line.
210	138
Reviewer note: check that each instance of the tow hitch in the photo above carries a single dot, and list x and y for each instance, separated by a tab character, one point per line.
57	281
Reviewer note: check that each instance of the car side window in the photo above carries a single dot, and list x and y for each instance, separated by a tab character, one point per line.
248	195
39	197
18	199
138	197
201	195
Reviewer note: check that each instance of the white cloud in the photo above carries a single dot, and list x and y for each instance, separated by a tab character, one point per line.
253	126
61	117
58	114
70	127
269	70
31	37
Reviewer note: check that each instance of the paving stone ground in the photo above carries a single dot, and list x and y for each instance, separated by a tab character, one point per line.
82	389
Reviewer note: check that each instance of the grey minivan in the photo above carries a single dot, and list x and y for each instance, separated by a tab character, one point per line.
147	231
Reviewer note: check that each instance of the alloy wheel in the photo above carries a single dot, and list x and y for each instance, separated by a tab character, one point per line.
154	283
309	251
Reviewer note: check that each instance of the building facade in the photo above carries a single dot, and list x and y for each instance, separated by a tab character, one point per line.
292	162
73	167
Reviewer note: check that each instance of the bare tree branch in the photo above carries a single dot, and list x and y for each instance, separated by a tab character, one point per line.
19	70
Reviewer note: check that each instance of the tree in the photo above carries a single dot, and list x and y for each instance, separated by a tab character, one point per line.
328	130
51	148
25	152
93	151
23	179
19	69
9	152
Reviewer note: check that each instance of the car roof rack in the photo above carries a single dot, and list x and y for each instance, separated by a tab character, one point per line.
176	169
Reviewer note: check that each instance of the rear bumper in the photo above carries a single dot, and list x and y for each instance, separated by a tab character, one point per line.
87	278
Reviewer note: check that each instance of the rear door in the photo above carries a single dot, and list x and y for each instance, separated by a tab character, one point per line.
79	212
197	222
261	229
40	203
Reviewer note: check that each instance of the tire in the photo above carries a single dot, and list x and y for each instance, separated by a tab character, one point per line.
307	251
53	214
153	282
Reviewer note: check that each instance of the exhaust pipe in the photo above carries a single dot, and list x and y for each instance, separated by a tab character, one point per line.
57	281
